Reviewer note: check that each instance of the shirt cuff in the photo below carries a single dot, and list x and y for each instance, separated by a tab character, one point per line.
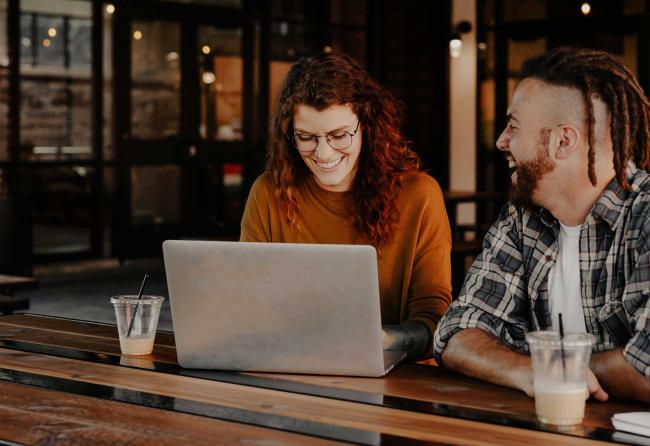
637	352
458	319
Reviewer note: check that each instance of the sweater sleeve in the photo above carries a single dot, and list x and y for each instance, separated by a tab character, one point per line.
256	221
430	288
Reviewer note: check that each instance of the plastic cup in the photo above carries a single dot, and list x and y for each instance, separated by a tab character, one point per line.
142	314
560	375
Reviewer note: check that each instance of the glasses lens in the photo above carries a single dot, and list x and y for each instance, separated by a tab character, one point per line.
340	141
304	143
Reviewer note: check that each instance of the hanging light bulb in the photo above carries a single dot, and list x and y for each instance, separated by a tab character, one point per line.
110	8
585	8
137	34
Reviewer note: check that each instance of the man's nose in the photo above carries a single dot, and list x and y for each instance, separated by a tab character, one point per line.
502	141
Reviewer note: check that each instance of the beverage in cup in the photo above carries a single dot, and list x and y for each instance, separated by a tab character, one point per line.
137	320
560	375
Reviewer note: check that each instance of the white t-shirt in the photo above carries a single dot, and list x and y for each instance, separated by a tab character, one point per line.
564	283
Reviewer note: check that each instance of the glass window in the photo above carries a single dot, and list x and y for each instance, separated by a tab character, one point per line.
155	195
108	146
61	209
156	79
348	12
3	185
352	43
633	7
80	41
291	9
27	39
290	41
277	72
233	4
4	84
221	83
50	41
519	10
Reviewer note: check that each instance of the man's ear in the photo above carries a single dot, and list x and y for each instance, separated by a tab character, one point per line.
564	141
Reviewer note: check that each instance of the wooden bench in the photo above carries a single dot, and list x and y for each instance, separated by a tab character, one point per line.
9	285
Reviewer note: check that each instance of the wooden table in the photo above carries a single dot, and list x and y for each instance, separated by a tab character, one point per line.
64	382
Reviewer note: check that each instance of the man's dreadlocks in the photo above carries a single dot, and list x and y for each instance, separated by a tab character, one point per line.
597	73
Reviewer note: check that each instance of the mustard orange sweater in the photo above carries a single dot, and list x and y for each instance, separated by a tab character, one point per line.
414	266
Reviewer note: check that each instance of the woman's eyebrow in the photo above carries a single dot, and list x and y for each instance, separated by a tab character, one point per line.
343	127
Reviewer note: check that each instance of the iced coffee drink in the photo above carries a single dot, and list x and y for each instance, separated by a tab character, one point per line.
137	319
560	375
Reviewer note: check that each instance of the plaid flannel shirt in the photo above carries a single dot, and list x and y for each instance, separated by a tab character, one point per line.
505	292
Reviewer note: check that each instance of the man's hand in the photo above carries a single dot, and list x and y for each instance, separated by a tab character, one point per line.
595	390
619	377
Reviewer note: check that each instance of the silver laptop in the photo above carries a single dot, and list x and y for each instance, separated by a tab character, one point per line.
276	307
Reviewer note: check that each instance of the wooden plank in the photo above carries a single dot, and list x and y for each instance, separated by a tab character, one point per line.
72	326
105	345
320	410
37	416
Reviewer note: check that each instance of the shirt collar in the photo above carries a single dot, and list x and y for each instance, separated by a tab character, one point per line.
612	202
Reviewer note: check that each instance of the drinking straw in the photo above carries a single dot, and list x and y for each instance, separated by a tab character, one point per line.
562	346
144	282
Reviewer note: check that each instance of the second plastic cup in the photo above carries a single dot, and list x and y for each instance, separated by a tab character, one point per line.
560	375
141	315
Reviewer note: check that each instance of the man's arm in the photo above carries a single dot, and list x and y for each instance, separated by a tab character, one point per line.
619	377
480	355
410	337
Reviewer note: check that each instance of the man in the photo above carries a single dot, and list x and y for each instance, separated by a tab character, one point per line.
575	237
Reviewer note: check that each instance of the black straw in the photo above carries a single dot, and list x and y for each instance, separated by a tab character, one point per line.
562	346
144	282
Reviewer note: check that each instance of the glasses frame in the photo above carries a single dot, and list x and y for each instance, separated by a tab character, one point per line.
292	140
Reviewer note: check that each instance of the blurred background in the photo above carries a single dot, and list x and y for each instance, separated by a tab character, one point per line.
129	122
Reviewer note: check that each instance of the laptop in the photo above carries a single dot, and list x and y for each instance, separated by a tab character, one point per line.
276	307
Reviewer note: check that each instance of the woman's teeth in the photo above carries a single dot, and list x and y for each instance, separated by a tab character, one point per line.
512	164
329	164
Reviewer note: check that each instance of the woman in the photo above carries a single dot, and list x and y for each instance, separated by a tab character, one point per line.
339	171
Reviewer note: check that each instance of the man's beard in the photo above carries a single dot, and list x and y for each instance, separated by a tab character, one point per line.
530	172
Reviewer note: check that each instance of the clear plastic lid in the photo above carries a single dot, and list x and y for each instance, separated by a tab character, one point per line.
133	300
550	339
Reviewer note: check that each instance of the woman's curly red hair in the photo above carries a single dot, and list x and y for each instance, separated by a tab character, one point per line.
335	79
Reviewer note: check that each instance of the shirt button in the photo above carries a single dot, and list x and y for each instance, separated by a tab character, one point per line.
549	258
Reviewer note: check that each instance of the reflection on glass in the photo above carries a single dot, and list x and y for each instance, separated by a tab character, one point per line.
61	208
348	12
55	119
352	43
55	90
49	42
220	83
79	36
156	78
155	195
26	39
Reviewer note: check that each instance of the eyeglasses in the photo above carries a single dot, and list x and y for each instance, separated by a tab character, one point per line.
338	140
